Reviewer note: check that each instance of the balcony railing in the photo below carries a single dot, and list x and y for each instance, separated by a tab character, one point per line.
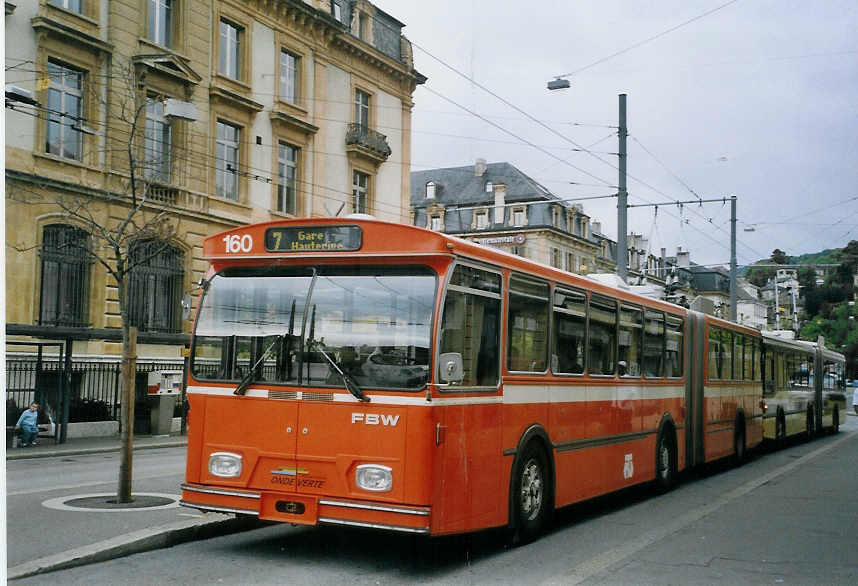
370	140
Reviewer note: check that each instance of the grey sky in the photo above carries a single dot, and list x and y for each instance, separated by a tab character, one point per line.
757	99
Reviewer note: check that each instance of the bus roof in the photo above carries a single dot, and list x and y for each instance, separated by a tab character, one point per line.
365	237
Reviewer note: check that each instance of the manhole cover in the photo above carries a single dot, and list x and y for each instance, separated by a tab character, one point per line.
108	502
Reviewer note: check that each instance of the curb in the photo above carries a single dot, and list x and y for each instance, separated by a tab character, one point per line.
82	451
211	525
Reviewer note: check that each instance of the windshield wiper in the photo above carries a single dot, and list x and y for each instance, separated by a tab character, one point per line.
241	389
351	385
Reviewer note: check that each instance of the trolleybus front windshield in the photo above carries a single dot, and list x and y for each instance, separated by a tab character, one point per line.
374	323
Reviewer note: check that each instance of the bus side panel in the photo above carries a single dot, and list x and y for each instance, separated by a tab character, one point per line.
471	494
719	434
196	420
753	414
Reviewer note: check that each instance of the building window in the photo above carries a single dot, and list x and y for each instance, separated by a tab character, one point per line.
435	223
287	179
71	5
489	187
430	190
570	262
362	109
555	216
482	220
555	258
518	250
519	216
65	276
363	27
158	143
230	50
226	160
155	287
161	22
65	104
337	9
360	193
288	77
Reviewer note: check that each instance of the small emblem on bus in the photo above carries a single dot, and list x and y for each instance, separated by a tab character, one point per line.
628	467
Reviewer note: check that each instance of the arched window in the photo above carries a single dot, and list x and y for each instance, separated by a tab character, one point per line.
430	190
65	276
155	286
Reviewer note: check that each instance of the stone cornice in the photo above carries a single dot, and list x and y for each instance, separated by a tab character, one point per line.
368	54
171	65
278	117
235	99
43	24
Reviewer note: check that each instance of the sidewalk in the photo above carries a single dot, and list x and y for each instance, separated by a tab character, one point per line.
82	536
93	445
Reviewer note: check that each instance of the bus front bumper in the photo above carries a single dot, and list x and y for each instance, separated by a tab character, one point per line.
307	509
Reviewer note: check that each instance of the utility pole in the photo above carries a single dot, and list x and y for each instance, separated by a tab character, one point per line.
732	258
622	197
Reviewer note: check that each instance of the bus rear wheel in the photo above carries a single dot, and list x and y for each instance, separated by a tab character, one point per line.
739	443
780	428
665	462
531	493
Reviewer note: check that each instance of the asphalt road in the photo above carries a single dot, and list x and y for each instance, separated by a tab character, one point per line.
34	530
786	517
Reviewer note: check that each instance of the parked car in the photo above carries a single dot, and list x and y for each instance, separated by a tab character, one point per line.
855	400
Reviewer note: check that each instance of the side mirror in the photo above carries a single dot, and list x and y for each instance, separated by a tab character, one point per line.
450	369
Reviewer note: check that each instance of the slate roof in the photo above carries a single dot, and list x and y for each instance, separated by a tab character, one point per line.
459	186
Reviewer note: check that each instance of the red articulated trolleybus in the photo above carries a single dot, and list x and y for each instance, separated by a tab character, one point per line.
357	372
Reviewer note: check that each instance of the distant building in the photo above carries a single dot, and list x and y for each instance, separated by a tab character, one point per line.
497	205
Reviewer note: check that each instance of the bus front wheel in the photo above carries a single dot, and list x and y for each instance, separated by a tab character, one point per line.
531	493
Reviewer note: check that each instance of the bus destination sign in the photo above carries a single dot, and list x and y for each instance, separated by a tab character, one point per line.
313	239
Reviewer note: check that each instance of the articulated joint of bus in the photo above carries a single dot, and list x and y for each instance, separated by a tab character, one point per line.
307	510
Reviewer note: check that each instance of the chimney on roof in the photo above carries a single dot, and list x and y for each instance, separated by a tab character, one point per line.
683	259
480	168
596	227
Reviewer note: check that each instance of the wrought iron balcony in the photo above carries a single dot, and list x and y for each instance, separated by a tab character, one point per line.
368	140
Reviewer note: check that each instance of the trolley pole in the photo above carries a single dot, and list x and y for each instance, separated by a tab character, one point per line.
622	198
733	258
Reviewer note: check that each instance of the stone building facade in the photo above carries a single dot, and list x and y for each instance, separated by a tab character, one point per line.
221	112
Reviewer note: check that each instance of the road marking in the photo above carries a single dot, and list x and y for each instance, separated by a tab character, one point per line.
602	562
85	484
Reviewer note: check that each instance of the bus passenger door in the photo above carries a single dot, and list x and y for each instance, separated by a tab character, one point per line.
470	492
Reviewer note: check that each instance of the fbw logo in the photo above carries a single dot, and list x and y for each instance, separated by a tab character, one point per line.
375	419
628	467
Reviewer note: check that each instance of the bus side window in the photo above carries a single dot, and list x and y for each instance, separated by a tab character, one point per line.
727	353
570	328
716	358
674	354
470	325
653	344
630	341
527	345
602	336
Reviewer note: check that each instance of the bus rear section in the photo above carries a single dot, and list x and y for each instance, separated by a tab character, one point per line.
307	389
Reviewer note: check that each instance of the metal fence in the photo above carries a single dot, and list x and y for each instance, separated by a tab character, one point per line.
94	393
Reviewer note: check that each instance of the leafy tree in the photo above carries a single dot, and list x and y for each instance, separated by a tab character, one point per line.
779	257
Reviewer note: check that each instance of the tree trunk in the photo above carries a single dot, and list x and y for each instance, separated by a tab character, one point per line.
129	368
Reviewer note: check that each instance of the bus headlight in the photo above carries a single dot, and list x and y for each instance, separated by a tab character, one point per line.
225	464
374	478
